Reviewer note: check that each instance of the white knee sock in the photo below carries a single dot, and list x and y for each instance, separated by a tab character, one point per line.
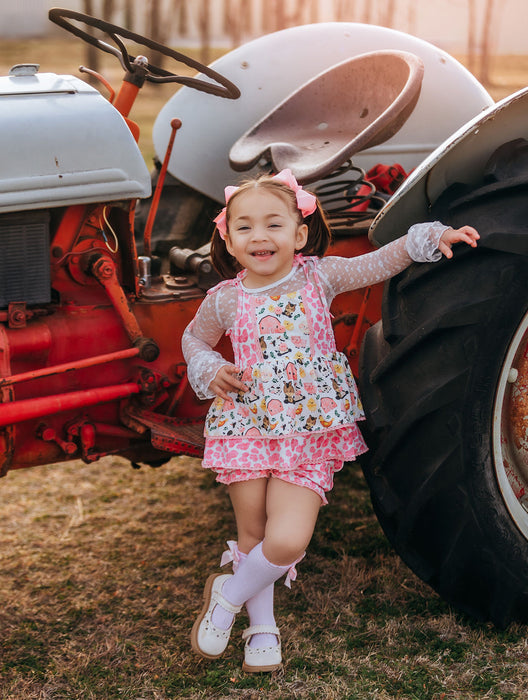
255	575
260	612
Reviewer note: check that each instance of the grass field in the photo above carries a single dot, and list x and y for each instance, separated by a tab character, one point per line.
102	568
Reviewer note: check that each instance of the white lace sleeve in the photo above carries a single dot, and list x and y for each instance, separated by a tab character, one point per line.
419	245
198	341
422	241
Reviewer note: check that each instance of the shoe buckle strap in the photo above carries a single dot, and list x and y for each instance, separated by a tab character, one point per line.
260	629
223	603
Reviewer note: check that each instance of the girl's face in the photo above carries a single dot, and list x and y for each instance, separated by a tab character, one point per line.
264	235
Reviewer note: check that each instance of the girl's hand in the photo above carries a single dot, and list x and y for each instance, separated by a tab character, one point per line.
465	234
226	380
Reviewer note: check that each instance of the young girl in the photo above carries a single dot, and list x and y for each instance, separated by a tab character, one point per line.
284	416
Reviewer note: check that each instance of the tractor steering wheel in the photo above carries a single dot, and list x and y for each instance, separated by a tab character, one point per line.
154	74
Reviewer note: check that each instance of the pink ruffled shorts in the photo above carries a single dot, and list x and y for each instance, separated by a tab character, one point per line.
317	477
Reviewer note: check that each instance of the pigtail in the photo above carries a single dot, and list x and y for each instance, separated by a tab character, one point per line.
319	233
223	262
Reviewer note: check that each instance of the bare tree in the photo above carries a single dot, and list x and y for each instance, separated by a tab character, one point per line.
204	23
129	15
280	15
367	12
313	11
472	37
488	32
108	10
297	16
92	54
236	19
246	14
181	16
266	17
390	10
344	10
411	18
155	29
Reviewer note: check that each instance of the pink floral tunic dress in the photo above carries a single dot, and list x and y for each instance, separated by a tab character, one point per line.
302	404
297	422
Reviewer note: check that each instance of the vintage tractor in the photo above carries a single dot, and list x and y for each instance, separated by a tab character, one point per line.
91	362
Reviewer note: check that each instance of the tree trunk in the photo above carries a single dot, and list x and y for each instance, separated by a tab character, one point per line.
204	22
92	54
313	11
486	43
181	15
389	13
155	31
296	18
108	10
129	15
411	18
343	9
472	40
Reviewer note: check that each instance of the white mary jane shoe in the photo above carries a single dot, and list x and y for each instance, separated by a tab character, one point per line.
206	638
260	659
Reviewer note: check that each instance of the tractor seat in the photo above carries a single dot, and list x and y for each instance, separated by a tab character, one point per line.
350	107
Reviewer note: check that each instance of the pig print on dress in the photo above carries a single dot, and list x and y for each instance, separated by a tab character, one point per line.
269	325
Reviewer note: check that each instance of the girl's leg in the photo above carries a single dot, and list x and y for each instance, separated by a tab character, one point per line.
291	516
261	612
249	506
248	499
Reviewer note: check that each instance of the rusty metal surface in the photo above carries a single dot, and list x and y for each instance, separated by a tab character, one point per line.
518	411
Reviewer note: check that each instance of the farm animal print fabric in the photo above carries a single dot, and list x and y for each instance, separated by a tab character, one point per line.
298	382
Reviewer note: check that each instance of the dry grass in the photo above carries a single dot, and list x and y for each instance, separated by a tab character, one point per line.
102	569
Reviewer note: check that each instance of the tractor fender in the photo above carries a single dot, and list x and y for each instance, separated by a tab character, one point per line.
461	182
268	69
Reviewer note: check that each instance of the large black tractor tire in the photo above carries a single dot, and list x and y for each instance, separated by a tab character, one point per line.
436	376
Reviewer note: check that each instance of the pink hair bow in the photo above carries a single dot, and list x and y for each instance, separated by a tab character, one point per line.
220	220
306	202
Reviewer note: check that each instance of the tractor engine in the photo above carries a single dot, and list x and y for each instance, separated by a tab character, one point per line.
81	375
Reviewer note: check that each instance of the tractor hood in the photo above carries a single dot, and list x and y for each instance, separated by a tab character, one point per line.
62	143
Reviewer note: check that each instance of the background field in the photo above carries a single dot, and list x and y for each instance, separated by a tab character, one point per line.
102	568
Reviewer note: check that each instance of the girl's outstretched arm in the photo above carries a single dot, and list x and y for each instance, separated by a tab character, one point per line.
464	234
424	242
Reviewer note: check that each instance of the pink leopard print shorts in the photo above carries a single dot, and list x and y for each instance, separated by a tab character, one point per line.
317	477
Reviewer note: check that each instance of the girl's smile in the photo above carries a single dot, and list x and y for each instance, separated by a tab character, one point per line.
264	234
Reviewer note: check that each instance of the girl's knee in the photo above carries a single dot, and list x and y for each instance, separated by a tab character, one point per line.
282	551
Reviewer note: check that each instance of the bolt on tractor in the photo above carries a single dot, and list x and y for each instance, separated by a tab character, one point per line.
105	263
